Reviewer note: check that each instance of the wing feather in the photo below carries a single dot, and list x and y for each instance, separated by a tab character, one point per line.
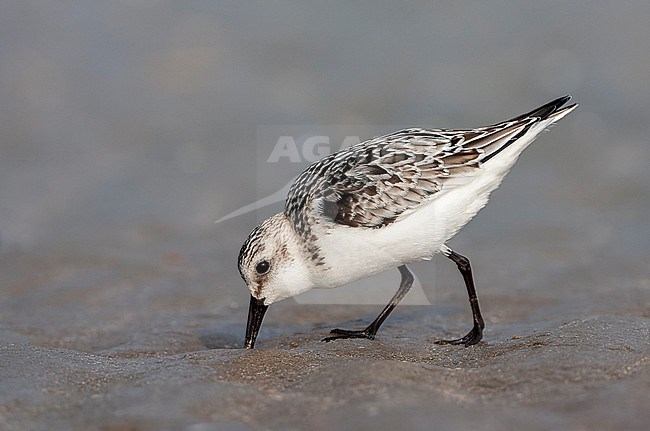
373	183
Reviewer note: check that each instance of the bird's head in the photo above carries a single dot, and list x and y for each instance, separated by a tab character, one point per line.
272	264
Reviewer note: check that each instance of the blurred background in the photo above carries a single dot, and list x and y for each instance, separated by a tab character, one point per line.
121	114
128	127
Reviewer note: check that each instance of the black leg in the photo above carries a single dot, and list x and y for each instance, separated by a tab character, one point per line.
371	330
475	335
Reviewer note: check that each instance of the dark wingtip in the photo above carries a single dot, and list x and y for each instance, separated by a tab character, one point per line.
546	110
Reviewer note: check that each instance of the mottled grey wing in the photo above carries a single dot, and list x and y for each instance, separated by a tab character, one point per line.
400	174
373	183
407	169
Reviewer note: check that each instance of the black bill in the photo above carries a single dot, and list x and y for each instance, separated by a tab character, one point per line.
256	312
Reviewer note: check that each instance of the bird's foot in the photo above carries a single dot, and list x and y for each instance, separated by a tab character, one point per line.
345	333
472	337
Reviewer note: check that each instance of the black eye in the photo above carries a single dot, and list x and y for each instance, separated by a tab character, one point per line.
263	267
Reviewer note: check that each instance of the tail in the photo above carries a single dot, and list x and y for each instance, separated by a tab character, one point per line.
533	123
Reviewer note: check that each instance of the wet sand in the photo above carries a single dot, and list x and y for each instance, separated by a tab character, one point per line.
116	343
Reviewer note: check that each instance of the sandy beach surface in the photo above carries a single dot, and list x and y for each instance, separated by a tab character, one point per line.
119	343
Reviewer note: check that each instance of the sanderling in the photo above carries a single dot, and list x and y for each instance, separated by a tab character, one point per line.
382	204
